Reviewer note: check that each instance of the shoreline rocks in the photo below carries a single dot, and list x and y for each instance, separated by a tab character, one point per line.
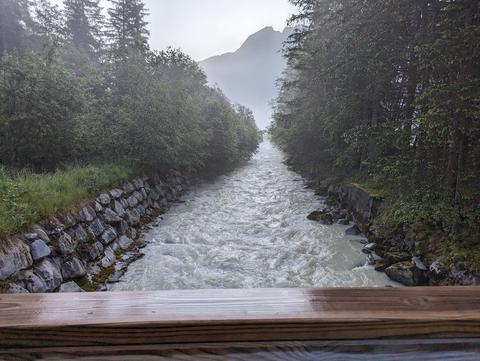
84	249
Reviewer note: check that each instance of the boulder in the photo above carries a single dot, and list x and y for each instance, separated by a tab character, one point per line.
122	228
110	217
87	214
39	250
14	256
13	288
124	203
138	195
98	207
154	195
96	228
104	199
369	248
125	242
80	234
116	193
108	236
353	231
373	259
343	222
406	273
33	282
91	252
129	188
73	269
30	236
119	209
41	234
133	217
50	272
70	287
132	201
417	262
438	270
109	258
322	217
66	244
138	183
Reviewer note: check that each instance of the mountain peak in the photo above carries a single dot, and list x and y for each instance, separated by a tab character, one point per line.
248	75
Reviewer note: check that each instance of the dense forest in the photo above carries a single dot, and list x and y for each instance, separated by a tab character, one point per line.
83	99
386	94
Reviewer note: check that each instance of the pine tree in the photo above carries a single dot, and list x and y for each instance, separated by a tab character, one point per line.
84	22
15	23
127	27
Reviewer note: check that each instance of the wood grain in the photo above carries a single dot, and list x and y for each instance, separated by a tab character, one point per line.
169	317
370	350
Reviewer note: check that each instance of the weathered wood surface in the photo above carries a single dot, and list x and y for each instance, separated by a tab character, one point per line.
370	350
168	317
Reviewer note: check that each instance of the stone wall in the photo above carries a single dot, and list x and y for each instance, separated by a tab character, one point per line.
94	243
360	202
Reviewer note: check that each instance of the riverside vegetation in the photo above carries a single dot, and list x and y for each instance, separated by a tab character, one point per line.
86	105
385	94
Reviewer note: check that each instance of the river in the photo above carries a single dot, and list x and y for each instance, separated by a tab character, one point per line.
249	229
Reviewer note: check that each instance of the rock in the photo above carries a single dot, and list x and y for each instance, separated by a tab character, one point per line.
322	217
98	207
109	258
132	201
125	242
66	244
124	203
144	194
104	199
141	209
138	195
361	241
110	217
395	257
132	217
33	282
438	270
80	234
116	193
41	234
119	209
91	252
68	220
14	256
419	264
30	236
373	259
353	231
108	236
13	288
87	214
133	233
129	188
39	250
138	183
154	195
122	228
73	269
96	228
406	273
50	272
369	248
343	222
70	287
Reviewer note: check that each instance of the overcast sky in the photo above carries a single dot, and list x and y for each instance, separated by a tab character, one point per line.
203	28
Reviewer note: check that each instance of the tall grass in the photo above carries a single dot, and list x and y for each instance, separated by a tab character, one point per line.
26	197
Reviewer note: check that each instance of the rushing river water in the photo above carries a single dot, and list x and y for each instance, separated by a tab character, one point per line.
249	229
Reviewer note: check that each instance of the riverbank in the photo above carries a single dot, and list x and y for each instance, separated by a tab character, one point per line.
92	243
417	256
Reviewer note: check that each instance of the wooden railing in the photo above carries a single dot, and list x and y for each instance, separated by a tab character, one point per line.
113	321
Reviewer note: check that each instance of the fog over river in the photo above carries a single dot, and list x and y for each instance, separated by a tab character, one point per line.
249	229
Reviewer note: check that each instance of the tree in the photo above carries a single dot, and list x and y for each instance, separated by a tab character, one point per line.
127	27
84	22
15	25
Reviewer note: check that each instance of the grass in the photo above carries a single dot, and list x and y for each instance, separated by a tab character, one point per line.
370	191
27	198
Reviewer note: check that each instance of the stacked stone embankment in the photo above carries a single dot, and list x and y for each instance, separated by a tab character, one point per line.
83	249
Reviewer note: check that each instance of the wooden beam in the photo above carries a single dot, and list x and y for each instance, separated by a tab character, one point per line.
167	317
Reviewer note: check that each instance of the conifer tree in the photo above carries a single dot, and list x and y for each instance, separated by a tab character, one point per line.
127	27
15	24
84	23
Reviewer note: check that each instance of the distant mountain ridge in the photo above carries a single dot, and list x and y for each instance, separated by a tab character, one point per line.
248	75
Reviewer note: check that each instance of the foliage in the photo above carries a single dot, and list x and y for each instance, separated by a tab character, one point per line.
387	93
65	98
27	197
